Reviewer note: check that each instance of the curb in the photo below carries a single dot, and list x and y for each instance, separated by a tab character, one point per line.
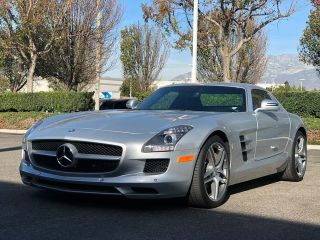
13	131
313	147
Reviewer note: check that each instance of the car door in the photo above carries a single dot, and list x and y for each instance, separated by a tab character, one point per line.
272	127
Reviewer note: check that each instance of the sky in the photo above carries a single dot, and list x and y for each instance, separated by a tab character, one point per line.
283	37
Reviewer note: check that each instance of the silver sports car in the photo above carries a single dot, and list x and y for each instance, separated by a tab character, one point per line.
191	141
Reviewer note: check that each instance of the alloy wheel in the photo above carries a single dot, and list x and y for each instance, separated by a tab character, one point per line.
300	155
216	172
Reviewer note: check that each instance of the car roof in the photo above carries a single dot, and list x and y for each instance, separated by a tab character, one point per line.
222	84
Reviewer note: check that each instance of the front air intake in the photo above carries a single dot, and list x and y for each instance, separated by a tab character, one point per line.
156	166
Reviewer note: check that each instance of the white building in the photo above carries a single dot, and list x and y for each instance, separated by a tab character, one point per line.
111	86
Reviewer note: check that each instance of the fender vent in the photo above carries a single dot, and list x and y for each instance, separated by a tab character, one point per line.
245	147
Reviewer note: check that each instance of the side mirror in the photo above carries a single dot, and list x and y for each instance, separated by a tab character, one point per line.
268	105
132	103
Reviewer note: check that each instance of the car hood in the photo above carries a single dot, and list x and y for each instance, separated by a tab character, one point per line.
135	122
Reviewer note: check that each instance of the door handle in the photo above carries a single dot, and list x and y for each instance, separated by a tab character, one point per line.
274	148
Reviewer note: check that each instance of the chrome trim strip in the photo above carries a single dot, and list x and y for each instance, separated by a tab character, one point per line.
78	156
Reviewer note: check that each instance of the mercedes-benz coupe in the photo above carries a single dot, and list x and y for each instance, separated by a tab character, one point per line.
191	141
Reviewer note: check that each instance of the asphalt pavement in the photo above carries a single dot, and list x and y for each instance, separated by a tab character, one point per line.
259	209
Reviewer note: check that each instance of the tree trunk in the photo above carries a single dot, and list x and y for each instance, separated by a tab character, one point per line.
32	67
226	62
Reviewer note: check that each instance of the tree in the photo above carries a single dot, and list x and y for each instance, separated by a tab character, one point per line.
29	29
144	52
316	3
130	87
248	65
220	16
309	51
14	73
72	59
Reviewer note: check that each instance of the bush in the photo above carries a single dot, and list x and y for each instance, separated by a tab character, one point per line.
302	103
46	101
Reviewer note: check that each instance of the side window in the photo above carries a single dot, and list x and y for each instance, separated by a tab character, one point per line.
258	96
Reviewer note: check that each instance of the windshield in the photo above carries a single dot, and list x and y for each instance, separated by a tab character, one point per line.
197	98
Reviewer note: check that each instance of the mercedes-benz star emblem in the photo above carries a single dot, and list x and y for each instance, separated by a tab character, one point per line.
65	155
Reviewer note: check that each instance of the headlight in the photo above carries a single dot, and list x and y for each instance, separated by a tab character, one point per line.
166	140
25	137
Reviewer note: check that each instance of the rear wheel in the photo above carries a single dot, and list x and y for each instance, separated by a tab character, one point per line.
211	175
298	163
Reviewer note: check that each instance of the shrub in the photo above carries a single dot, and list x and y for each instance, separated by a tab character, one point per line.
46	101
305	104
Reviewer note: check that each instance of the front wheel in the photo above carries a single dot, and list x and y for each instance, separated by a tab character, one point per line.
211	175
298	163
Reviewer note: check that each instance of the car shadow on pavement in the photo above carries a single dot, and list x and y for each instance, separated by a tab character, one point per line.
256	183
10	149
28	213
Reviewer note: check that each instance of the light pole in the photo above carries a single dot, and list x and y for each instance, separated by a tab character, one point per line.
195	41
130	88
301	84
98	58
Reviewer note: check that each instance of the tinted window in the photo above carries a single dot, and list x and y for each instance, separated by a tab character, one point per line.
197	98
258	96
165	101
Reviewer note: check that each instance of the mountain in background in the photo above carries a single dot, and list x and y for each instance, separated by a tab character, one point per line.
287	67
281	68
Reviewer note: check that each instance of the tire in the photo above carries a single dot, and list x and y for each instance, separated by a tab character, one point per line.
209	187
297	164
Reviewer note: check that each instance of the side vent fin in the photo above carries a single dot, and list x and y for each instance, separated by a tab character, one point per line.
245	147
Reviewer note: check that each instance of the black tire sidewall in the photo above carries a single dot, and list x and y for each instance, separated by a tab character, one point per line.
293	161
201	161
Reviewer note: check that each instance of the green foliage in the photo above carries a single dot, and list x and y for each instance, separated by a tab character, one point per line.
56	85
309	51
302	103
129	54
143	95
14	73
135	90
312	123
221	99
144	51
4	84
125	88
21	120
286	88
46	101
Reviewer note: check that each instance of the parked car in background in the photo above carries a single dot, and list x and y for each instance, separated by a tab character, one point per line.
191	141
106	104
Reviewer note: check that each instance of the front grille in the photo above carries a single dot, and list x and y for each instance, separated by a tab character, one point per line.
82	166
156	165
82	147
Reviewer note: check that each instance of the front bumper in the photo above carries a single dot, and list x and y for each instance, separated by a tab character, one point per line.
128	180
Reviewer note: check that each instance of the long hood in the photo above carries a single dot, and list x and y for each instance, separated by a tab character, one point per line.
134	122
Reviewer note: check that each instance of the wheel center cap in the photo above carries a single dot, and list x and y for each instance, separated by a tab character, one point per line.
214	172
